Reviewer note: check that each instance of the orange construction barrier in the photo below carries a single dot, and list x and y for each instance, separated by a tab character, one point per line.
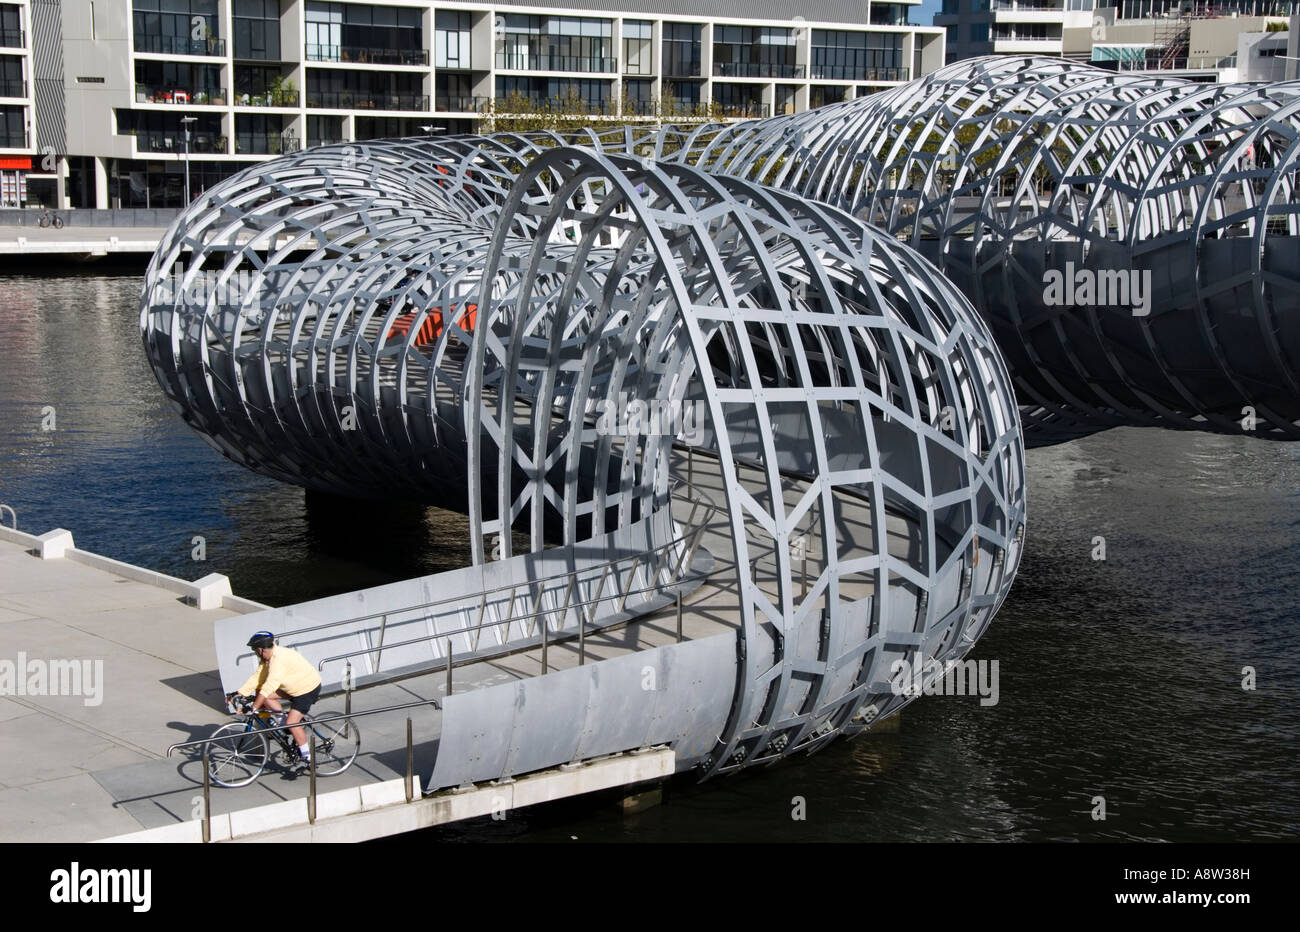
431	329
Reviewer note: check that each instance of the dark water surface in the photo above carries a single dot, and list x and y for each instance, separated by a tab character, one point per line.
1118	678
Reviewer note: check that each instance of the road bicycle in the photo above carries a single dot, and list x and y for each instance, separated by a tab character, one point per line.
48	218
239	751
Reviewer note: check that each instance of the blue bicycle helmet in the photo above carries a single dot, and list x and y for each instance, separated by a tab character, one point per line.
262	639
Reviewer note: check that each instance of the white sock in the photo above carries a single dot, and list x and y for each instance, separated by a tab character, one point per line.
305	751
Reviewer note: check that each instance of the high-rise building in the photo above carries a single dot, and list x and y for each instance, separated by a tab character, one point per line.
139	88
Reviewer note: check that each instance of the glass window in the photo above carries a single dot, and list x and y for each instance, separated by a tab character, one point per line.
638	57
841	55
682	48
451	39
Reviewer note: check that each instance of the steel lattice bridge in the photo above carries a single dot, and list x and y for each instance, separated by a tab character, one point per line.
735	365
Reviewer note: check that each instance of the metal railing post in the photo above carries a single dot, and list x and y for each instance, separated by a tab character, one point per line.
410	762
207	797
582	640
679	618
379	651
347	693
544	645
447	691
311	769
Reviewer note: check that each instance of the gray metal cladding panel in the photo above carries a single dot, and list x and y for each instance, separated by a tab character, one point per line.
47	75
588	711
817	11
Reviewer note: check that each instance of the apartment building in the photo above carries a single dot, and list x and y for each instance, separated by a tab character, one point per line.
1195	39
17	103
147	87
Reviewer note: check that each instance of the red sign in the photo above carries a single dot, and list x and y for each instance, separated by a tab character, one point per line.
24	164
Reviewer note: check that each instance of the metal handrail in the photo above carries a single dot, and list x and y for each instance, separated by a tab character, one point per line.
582	623
709	504
12	514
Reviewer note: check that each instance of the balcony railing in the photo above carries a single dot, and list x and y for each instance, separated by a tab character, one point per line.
1198	63
729	69
639	107
1047	5
13	88
523	62
265	144
563	105
747	110
280	99
461	104
858	73
365	100
367	56
174	142
170	94
13	39
179	45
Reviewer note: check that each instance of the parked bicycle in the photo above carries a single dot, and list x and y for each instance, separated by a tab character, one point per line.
241	750
49	219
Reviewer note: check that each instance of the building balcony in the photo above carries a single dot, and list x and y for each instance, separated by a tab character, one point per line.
461	104
13	89
180	45
1057	6
185	97
858	73
174	142
264	144
367	56
561	105
365	100
756	70
751	110
268	99
569	63
13	39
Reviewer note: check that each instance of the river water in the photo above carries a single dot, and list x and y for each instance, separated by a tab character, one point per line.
1118	678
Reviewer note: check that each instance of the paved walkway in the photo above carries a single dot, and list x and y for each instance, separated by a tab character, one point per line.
152	683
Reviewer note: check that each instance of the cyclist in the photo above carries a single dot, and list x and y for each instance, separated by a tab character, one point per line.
285	672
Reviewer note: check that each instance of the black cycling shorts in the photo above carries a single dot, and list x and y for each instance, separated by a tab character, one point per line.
304	702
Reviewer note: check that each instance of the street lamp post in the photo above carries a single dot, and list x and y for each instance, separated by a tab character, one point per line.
187	120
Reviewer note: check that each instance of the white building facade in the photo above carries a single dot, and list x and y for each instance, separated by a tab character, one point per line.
252	79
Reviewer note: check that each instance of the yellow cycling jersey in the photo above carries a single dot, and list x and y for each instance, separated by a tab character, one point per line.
287	670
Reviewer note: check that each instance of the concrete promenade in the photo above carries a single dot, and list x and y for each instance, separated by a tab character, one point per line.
79	242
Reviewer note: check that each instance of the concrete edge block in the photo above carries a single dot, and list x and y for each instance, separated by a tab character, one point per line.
21	538
55	544
268	818
210	591
338	803
378	795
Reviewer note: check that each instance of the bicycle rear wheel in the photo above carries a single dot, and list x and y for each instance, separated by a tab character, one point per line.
337	744
237	755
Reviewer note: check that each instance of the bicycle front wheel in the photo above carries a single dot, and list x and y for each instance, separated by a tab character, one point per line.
236	755
337	744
